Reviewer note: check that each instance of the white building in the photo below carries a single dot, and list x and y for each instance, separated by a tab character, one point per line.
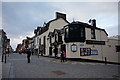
77	39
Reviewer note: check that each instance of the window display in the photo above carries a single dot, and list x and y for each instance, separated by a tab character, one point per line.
85	51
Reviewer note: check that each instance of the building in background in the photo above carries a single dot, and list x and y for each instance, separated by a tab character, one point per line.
5	46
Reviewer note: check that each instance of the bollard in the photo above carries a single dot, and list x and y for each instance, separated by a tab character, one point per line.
105	60
5	57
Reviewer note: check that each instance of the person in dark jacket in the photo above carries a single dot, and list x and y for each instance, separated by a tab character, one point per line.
28	55
62	56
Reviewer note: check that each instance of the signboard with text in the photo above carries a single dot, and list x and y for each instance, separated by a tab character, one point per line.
94	52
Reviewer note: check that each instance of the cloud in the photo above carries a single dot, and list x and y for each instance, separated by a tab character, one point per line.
104	12
60	0
19	19
18	39
0	15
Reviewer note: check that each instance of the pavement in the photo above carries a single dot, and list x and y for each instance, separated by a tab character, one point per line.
45	67
0	67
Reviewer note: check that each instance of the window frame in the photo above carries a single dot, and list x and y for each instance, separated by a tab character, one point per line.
74	48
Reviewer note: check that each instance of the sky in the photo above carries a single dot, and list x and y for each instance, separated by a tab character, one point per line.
19	19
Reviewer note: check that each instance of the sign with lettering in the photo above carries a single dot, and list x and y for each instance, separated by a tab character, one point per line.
81	44
85	51
94	52
95	42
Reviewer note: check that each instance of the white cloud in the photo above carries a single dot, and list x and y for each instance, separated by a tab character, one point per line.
60	0
111	26
104	13
0	15
18	39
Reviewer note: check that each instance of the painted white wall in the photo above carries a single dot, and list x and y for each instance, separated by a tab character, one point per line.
100	35
110	50
57	24
103	50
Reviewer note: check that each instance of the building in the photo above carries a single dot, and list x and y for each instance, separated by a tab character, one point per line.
41	33
5	46
77	39
18	49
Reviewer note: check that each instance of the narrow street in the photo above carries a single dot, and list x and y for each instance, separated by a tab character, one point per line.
45	67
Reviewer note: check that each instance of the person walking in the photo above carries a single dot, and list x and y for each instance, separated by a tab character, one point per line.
64	53
28	55
62	56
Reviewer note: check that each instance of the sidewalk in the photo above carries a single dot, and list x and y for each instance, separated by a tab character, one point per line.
45	67
0	68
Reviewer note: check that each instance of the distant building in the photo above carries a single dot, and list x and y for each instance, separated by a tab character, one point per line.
77	39
18	49
5	46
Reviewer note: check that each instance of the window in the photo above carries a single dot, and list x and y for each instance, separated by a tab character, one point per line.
85	51
73	48
82	32
55	37
117	48
92	34
59	38
40	41
75	33
50	40
66	31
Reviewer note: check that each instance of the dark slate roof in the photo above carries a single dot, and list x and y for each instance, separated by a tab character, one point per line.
85	25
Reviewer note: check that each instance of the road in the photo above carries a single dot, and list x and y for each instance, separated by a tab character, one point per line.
45	67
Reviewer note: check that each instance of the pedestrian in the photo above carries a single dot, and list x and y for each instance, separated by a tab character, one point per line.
62	56
64	53
28	55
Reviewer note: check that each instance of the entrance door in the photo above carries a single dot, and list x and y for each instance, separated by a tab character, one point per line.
63	47
50	51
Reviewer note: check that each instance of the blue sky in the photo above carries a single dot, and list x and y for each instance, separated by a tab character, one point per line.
19	19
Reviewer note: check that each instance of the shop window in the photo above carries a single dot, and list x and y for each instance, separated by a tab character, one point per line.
73	47
85	51
118	48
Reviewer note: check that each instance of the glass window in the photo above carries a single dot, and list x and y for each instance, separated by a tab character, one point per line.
73	48
66	31
85	51
82	35
92	34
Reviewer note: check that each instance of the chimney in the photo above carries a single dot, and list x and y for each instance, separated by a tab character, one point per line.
60	15
94	23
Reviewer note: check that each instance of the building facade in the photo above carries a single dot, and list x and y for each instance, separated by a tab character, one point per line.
5	46
77	39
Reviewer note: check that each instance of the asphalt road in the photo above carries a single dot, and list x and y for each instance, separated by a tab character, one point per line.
45	67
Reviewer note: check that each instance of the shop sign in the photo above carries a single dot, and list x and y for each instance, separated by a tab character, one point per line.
85	51
81	44
94	52
95	42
